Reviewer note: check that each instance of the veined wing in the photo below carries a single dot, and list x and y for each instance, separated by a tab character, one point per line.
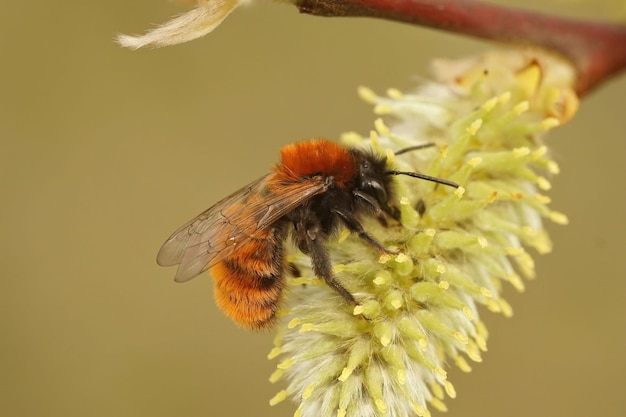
217	232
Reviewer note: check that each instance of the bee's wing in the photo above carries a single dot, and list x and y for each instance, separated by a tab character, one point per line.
217	232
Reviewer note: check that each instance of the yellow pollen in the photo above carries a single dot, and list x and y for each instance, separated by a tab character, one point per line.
437	391
405	201
421	411
521	107
299	281
384	258
395	94
450	389
444	285
550	123
543	183
504	97
351	138
542	199
482	241
345	374
367	94
490	104
379	280
553	167
493	306
529	78
473	353
401	376
514	251
423	343
431	232
380	405
389	154
286	363
439	405
516	281
481	329
519	152
459	192
274	352
441	372
540	151
486	292
462	364
276	375
343	235
441	268
401	258
481	343
529	231
558	218
474	162
308	391
281	396
341	412
506	308
294	323
461	338
473	128
468	313
381	128
306	327
382	109
357	310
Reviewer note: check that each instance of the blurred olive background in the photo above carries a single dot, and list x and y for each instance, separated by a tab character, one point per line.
104	152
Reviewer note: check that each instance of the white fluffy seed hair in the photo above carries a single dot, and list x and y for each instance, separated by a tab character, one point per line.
198	22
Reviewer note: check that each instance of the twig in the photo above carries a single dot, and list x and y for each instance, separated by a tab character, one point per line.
597	50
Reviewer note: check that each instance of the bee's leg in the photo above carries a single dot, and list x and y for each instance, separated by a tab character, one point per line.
312	241
377	211
322	266
380	212
355	226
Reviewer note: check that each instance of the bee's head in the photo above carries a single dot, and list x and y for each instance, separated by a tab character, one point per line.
372	178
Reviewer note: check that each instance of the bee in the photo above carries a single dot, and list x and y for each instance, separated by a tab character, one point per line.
318	187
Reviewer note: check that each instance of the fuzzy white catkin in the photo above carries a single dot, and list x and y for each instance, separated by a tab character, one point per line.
419	311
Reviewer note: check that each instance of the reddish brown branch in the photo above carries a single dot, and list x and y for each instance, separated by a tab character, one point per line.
598	50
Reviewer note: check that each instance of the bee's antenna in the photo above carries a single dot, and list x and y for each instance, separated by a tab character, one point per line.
414	148
425	177
417	175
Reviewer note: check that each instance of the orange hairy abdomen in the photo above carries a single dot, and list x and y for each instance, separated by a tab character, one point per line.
249	283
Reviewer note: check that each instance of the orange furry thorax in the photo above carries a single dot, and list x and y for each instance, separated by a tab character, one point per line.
315	157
